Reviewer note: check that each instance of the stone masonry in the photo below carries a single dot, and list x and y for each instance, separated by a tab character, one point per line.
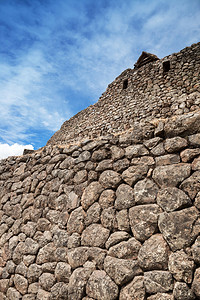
115	217
152	92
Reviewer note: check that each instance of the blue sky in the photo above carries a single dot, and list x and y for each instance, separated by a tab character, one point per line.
57	57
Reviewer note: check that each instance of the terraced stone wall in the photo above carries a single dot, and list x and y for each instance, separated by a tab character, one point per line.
151	93
114	218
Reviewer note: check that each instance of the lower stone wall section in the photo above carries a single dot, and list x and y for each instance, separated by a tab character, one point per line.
114	218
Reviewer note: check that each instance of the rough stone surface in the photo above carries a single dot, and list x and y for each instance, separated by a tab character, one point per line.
109	209
171	175
181	266
153	255
135	290
158	281
145	191
144	220
172	198
179	228
95	236
101	287
121	270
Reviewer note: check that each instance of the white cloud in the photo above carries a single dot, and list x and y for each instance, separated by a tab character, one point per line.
12	150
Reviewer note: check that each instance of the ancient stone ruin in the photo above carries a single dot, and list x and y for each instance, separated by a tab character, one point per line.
109	208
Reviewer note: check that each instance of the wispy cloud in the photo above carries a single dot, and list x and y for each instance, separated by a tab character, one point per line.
57	57
13	150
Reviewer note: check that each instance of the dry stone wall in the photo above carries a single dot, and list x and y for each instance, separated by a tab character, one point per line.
111	218
151	93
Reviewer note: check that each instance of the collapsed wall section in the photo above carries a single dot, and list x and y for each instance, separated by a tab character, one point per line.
140	95
114	218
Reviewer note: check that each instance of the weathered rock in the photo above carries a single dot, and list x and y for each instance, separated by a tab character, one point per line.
110	179
194	139
21	284
136	150
94	235
125	249
121	270
101	287
72	201
175	144
145	191
182	291
74	241
153	255
196	164
47	280
77	283
77	256
181	266
63	272
46	254
104	165
171	175
188	154
4	285
192	184
13	294
196	250
108	218
179	228
196	283
33	273
134	173
76	221
44	295
116	238
124	197
91	194
158	281
107	199
121	165
80	177
134	290
117	152
93	214
59	291
123	220
144	220
167	159
172	198
161	296
158	149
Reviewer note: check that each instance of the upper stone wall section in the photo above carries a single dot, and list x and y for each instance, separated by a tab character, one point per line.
159	89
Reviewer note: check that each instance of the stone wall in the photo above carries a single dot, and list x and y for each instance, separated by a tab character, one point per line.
111	218
151	93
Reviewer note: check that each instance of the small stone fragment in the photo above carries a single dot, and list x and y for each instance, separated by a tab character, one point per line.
196	283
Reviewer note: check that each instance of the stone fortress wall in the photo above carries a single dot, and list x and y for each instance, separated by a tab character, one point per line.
116	217
151	93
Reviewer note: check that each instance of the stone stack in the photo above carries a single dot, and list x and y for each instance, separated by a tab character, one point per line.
111	218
